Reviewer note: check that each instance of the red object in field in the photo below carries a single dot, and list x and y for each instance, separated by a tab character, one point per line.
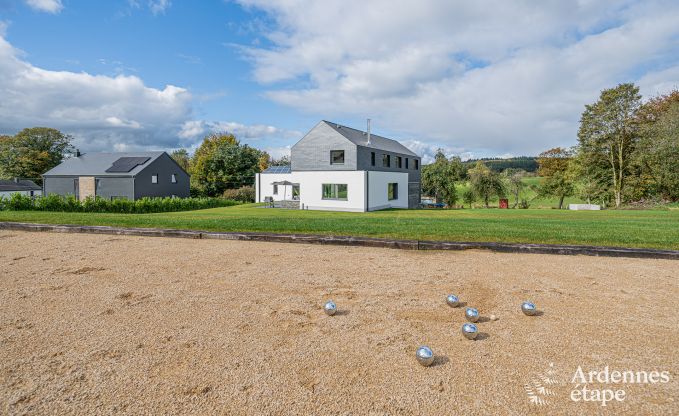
504	203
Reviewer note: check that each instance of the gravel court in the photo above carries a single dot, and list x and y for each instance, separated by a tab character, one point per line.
96	324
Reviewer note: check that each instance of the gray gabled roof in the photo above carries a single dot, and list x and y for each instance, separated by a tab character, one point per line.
96	164
11	185
360	138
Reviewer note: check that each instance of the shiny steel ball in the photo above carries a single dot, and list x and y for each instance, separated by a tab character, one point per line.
529	308
425	356
452	301
470	331
471	314
330	308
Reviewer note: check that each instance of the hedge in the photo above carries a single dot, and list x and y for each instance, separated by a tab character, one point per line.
18	202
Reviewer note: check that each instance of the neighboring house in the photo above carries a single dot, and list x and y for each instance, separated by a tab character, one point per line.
130	175
338	168
18	186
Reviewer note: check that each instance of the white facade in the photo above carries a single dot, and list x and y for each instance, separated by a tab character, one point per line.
366	190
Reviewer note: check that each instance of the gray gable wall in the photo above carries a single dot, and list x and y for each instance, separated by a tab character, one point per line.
312	152
164	166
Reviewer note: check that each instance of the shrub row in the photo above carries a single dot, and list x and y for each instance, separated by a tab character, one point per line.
242	194
18	202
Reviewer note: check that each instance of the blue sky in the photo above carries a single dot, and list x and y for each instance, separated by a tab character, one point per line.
506	78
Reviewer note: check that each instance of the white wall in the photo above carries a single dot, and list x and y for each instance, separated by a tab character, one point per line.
378	197
7	194
311	189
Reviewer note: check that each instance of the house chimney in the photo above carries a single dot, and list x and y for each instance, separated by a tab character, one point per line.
77	152
368	132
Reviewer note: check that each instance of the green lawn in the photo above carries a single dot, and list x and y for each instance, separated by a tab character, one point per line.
627	228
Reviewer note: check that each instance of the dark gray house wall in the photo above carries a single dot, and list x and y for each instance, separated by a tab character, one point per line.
164	166
312	152
106	186
112	187
59	185
364	160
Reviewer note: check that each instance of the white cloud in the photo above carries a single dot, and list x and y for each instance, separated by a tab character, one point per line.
49	6
195	129
159	6
100	111
155	6
490	78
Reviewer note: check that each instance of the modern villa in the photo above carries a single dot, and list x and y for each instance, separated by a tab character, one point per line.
130	175
338	168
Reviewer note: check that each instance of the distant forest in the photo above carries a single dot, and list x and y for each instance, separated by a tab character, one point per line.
527	163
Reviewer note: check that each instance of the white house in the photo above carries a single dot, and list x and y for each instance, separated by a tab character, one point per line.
339	168
19	186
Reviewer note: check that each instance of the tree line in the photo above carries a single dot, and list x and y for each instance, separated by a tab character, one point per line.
627	151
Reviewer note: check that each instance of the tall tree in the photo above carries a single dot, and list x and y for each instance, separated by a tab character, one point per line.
486	183
32	152
515	182
438	178
608	134
221	163
658	148
554	168
181	156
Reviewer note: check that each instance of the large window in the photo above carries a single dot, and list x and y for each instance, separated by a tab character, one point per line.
398	162
392	191
386	161
335	191
337	157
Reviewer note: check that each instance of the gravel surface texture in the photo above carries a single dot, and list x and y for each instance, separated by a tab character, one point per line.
94	324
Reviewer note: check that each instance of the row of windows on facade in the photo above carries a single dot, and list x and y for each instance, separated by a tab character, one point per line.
173	178
337	158
341	191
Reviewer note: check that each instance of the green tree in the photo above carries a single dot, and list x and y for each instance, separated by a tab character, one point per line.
181	156
32	152
657	153
486	183
221	163
554	167
468	197
438	178
608	134
515	182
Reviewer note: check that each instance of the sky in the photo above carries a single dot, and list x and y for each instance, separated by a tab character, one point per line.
477	79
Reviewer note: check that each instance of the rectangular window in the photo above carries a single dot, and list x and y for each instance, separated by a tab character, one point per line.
386	161
174	178
337	157
275	189
335	191
154	178
372	158
406	163
392	191
398	162
417	164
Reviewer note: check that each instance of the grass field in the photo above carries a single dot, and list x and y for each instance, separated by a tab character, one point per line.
528	193
624	228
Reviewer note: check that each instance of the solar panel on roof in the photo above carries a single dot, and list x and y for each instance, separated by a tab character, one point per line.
277	169
126	164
